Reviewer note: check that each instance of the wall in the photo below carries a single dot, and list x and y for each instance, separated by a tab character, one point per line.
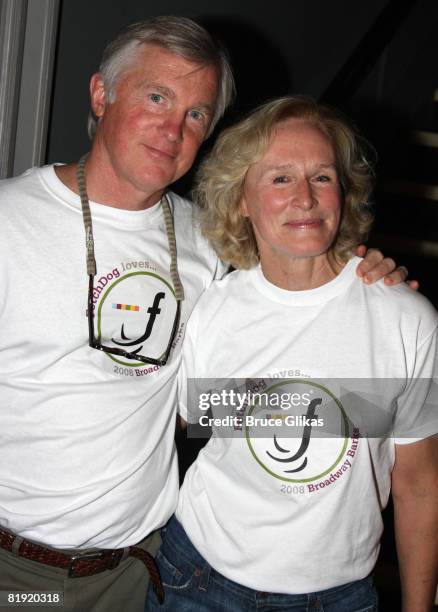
276	47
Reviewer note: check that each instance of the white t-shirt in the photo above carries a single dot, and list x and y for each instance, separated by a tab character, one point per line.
294	511
87	457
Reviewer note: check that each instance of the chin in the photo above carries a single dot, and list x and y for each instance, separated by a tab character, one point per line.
310	251
154	181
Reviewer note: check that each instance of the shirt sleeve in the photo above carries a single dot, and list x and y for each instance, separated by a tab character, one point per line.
187	371
222	269
417	406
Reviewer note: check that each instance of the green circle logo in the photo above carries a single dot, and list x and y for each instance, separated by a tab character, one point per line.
136	314
297	430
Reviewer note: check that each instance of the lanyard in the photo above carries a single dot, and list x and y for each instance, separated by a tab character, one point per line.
89	238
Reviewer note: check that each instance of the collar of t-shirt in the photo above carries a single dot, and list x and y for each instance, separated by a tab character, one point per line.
128	219
308	297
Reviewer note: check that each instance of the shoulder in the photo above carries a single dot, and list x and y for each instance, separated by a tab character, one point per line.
178	203
190	242
184	210
402	304
217	302
401	297
18	183
19	191
19	199
186	218
395	299
228	290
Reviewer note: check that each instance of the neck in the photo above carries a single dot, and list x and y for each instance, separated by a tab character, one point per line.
301	273
104	187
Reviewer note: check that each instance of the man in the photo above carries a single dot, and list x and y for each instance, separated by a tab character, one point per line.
87	462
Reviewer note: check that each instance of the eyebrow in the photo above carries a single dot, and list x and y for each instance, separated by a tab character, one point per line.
166	91
283	167
277	168
160	89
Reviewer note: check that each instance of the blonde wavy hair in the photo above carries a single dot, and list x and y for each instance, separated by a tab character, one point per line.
221	178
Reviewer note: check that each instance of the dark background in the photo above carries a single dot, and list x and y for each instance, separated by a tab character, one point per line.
297	46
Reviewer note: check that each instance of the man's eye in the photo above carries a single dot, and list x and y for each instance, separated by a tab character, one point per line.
155	98
280	179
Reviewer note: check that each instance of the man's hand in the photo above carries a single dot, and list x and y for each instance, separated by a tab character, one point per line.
375	266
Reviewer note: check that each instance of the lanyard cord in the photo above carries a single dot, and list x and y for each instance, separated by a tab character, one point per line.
89	239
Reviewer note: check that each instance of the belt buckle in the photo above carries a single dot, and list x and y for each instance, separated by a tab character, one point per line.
90	556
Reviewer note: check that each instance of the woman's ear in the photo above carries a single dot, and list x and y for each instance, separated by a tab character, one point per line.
243	208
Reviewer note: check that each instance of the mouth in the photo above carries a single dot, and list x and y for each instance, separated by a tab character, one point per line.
304	224
161	153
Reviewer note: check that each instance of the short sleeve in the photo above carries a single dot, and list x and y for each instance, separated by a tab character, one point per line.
417	406
222	270
187	369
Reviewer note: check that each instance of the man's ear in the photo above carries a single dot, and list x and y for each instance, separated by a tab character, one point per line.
97	95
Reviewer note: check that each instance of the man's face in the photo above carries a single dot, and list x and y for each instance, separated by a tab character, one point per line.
153	129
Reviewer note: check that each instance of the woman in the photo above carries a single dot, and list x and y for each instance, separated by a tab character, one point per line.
286	518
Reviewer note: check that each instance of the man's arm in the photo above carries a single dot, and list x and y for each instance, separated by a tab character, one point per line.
415	495
375	266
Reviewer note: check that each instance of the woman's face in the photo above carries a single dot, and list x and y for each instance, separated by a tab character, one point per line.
292	195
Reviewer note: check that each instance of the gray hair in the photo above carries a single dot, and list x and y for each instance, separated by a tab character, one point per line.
181	36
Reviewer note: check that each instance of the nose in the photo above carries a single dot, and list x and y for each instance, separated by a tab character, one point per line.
304	196
173	126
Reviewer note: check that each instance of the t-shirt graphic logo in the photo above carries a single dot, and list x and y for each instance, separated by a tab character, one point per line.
307	432
137	312
297	431
153	311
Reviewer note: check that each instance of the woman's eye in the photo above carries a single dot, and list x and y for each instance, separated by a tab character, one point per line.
156	98
323	178
280	179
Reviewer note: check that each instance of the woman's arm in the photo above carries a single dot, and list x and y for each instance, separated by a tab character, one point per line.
415	495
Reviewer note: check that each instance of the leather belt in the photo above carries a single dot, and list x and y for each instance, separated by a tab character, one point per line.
80	564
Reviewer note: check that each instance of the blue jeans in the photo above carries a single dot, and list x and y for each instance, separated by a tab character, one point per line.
191	585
